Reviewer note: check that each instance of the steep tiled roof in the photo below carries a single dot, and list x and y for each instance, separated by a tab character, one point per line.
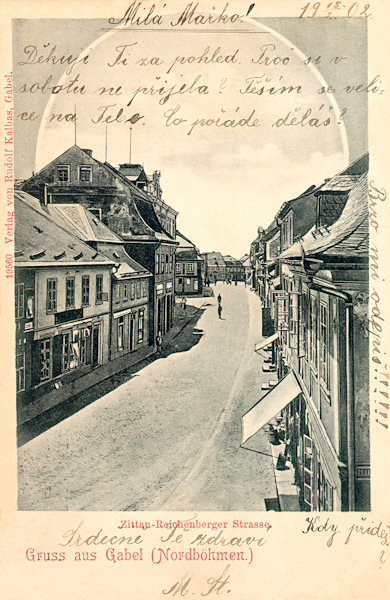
230	261
186	254
338	183
39	240
348	236
215	259
127	265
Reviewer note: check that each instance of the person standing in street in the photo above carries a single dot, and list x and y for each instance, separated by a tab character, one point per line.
219	311
159	342
219	299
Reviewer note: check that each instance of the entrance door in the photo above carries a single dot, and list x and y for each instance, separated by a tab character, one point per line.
96	344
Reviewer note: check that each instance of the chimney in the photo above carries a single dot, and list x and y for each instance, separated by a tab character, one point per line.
88	151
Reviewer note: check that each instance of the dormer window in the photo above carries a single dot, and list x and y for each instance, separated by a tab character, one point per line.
63	173
85	174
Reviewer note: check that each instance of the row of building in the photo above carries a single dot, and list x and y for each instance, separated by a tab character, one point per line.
310	267
98	260
225	268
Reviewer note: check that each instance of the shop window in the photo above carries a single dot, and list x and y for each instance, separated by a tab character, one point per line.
141	325
121	330
45	356
20	372
66	352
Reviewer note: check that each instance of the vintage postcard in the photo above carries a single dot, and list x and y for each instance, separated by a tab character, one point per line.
194	300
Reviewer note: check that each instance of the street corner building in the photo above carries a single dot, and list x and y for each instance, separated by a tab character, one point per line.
110	288
310	269
62	310
189	268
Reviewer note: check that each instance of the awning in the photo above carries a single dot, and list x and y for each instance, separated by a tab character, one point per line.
266	342
270	405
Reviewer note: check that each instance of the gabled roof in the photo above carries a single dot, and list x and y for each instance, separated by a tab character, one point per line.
142	202
40	241
127	266
347	237
289	204
186	254
184	242
229	261
214	259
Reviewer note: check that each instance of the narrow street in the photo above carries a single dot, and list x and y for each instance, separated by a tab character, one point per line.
169	437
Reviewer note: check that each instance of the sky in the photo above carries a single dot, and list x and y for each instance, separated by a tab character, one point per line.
224	182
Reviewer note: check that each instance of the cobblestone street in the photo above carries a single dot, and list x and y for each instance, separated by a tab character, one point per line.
169	437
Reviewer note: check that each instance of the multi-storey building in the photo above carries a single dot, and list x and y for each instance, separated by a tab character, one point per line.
129	328
320	347
119	199
189	264
214	266
62	311
234	269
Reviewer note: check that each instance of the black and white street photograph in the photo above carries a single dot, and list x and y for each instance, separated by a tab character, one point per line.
191	259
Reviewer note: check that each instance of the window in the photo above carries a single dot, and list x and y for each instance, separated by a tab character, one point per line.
178	267
313	329
121	330
157	265
145	288
99	289
85	345
132	291
20	372
125	291
308	471
117	293
162	256
190	267
45	359
85	290
51	295
63	173
29	304
324	343
85	174
66	352
19	301
141	320
138	289
69	292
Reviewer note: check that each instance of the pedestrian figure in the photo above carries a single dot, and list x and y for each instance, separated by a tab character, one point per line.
219	310
184	303
159	342
219	299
